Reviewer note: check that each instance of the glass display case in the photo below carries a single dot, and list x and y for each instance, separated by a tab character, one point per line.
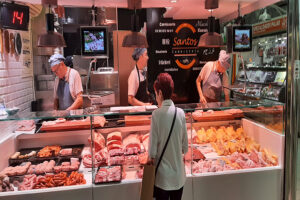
94	153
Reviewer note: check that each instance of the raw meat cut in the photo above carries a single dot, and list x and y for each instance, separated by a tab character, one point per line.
25	125
132	140
28	182
197	155
66	152
114	136
99	141
132	160
143	158
131	150
109	174
115	152
116	160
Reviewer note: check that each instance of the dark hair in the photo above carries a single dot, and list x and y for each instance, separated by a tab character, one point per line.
69	61
164	82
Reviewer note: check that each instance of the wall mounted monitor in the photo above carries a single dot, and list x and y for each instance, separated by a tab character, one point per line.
94	41
242	38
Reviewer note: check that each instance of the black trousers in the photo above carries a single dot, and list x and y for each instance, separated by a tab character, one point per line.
161	194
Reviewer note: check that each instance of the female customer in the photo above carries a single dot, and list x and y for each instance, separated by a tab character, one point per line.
167	122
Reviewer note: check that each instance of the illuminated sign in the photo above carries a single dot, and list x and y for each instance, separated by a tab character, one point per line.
14	16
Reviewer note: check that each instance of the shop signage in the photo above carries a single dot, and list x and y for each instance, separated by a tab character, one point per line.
272	26
173	49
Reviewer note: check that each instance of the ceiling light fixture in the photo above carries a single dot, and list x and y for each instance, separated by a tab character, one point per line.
135	39
211	38
50	38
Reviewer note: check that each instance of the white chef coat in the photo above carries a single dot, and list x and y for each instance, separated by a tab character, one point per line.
171	171
74	80
133	81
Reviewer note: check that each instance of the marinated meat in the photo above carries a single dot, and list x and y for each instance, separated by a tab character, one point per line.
49	151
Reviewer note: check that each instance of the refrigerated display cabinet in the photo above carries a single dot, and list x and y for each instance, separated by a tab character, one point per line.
235	152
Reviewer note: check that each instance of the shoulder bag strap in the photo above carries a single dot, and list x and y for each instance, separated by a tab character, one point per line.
167	141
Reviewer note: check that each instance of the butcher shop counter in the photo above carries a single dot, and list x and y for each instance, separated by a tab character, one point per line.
233	154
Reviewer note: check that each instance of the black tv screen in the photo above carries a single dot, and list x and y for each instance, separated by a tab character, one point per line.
94	41
242	38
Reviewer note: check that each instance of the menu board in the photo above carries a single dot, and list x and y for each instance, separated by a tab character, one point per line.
173	49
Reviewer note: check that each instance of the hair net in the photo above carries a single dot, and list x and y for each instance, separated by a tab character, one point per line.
137	53
224	59
55	59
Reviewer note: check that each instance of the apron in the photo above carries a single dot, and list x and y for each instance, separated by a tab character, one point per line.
212	88
142	94
65	100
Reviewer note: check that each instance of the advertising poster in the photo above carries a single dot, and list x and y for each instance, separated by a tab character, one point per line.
173	49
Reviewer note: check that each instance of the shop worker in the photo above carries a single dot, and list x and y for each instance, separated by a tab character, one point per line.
67	85
138	94
212	78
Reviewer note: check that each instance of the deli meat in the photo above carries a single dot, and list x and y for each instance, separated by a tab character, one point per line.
131	141
108	174
99	141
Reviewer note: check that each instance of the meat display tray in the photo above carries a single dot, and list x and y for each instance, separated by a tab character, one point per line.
109	182
18	161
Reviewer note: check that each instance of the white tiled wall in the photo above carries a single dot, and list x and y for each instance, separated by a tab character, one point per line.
16	82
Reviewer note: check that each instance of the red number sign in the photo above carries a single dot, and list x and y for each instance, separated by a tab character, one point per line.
18	17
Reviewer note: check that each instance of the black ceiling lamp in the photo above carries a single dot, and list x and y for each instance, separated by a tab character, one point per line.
211	38
50	38
135	39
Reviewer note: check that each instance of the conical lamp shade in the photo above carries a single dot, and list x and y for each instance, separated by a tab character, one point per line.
135	39
211	39
51	39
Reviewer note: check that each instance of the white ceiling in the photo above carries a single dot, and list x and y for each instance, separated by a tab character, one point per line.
182	9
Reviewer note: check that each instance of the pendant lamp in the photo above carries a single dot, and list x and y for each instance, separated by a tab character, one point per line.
135	39
50	38
211	38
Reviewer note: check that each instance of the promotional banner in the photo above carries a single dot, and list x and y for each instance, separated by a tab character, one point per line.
173	49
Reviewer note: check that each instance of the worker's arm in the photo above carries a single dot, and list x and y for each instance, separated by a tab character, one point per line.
77	103
134	102
198	83
225	86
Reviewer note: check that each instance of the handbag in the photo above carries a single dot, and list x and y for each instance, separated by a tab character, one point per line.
148	192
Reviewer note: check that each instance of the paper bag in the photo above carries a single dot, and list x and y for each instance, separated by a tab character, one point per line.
148	182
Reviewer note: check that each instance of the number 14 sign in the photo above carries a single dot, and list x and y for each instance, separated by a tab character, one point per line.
14	16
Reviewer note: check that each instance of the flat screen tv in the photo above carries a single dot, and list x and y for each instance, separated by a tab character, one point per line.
94	41
242	38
